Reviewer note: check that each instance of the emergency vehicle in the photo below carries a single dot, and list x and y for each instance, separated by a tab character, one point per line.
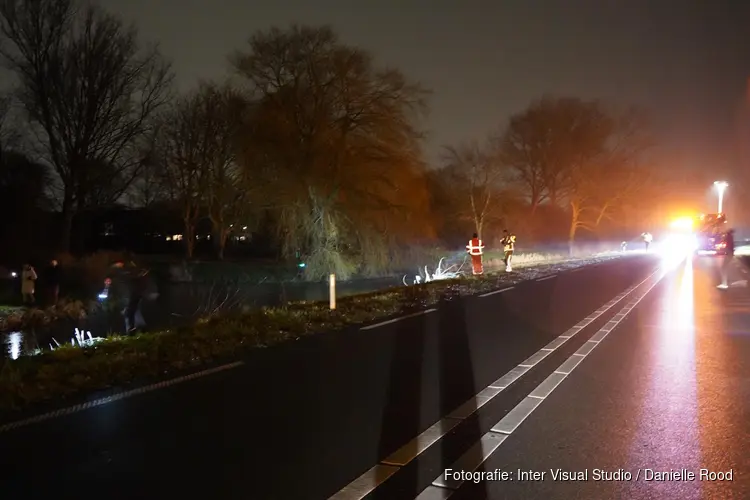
705	233
710	232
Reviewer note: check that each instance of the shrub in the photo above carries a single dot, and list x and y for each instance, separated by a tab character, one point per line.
115	361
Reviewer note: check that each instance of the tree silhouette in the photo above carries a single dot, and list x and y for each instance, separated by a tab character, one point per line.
576	152
477	173
90	92
339	146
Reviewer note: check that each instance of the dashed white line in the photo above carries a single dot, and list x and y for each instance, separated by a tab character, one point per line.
497	291
394	320
547	278
369	481
115	397
510	422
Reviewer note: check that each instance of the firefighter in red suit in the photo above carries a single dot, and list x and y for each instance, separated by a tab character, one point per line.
475	248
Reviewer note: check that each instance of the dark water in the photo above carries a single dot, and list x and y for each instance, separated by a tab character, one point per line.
182	303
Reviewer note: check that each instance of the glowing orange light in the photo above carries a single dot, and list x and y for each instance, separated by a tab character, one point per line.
682	223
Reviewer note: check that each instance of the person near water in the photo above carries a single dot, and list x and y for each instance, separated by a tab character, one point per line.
509	246
52	281
475	249
728	259
28	284
139	282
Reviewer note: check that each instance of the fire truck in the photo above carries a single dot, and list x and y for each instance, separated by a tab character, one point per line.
710	231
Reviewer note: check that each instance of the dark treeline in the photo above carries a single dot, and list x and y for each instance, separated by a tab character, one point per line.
310	143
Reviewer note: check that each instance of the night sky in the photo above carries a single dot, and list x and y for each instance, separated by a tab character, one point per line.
687	62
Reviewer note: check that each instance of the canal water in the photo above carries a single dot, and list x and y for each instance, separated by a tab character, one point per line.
183	303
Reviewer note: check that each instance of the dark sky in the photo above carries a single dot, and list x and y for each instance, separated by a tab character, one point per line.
687	61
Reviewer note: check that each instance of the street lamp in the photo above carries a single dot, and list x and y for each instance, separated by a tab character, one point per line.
721	186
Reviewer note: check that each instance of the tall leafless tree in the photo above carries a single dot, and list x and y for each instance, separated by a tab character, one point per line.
479	176
90	91
339	145
231	195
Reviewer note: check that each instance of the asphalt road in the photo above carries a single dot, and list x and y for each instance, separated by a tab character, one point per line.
668	389
304	420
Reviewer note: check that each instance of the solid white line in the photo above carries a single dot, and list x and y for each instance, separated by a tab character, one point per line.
116	397
547	278
394	320
510	422
497	291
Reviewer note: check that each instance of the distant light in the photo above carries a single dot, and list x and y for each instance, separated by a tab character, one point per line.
14	274
244	228
682	223
301	264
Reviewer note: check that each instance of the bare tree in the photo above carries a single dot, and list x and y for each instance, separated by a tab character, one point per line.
339	146
578	152
479	175
231	197
90	91
178	158
8	134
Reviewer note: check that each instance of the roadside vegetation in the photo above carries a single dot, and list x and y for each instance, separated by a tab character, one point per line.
117	361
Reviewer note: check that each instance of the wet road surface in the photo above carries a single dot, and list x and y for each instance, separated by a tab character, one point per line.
661	404
307	419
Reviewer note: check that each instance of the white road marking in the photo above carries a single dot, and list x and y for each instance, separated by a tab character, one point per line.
472	459
497	291
115	397
394	320
535	358
547	278
510	422
419	444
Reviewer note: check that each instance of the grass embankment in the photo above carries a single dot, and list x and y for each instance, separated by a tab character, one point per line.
117	361
16	318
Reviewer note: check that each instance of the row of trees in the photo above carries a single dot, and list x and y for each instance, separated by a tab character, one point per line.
309	136
562	152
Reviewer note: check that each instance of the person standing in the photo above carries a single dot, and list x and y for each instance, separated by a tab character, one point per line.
52	281
28	284
139	283
647	239
728	259
475	248
509	246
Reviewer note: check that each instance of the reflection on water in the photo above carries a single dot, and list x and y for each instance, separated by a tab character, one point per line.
19	344
14	341
176	305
